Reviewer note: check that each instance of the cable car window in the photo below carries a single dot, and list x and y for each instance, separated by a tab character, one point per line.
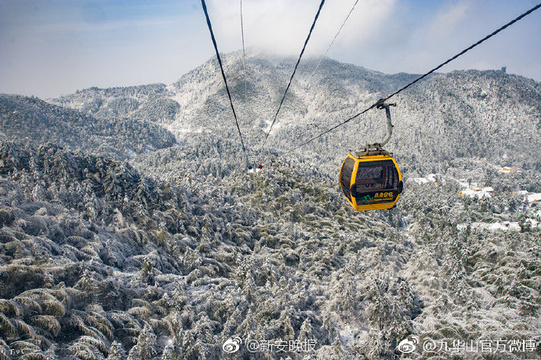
370	177
377	176
345	176
392	178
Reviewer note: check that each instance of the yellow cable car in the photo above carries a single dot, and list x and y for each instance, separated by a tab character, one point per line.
370	179
371	182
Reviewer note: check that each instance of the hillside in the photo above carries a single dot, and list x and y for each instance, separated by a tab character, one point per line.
145	250
34	121
98	259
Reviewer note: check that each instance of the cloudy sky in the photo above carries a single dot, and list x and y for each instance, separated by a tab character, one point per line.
54	47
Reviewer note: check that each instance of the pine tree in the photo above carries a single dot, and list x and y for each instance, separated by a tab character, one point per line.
146	343
116	352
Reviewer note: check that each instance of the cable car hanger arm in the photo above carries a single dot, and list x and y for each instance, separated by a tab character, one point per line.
382	105
377	148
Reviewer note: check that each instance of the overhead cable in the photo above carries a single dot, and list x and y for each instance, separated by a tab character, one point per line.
518	18
293	74
223	73
333	40
243	46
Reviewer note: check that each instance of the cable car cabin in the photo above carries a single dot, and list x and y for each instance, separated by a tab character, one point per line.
371	182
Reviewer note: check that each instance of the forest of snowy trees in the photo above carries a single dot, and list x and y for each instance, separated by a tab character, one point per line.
131	230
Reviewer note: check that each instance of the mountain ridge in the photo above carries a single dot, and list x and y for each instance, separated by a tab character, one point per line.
336	92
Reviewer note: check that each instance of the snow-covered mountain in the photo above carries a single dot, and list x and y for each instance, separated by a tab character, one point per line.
153	248
483	114
34	121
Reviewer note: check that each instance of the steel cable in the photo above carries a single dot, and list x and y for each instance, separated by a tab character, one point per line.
223	74
293	74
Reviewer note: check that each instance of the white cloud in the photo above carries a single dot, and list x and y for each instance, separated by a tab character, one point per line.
449	20
369	19
281	26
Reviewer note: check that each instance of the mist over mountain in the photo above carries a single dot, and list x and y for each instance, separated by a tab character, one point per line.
132	230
